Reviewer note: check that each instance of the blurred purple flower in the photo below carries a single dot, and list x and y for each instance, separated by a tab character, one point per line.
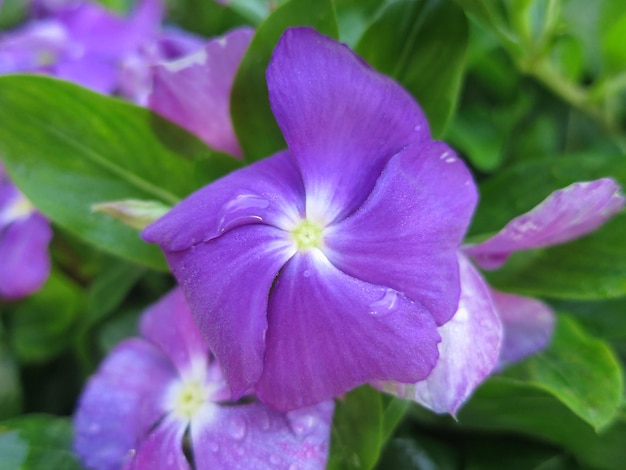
82	42
154	396
492	329
330	264
194	91
24	238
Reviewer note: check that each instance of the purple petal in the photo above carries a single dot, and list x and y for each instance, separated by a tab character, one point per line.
162	449
468	352
120	403
24	259
341	120
329	332
93	72
528	326
406	235
175	43
227	283
169	324
32	47
268	192
256	437
194	91
564	215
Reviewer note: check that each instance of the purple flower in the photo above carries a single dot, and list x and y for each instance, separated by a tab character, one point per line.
84	43
492	329
155	395
24	238
194	91
332	263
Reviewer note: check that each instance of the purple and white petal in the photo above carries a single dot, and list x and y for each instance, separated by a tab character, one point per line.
169	325
162	449
194	91
227	283
267	192
24	258
90	71
121	403
342	120
468	352
255	436
528	326
406	235
564	215
32	47
329	332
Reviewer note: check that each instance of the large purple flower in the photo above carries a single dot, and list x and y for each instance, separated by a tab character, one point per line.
153	396
332	263
492	329
24	238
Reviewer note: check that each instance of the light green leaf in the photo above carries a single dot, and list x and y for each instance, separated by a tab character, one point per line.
357	430
253	120
68	148
422	44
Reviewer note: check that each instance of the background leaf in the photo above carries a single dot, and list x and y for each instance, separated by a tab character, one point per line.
68	148
421	44
253	120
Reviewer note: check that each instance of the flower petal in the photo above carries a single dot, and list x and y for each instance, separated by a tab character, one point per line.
468	352
528	326
169	324
194	91
162	449
341	119
24	258
90	71
256	437
267	192
406	235
329	332
227	283
121	403
565	214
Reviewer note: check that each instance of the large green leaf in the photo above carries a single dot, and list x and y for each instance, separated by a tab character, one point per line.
419	452
357	430
581	371
37	442
422	44
68	148
354	16
254	122
10	387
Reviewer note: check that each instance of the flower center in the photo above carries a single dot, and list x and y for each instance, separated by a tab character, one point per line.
18	208
188	397
308	235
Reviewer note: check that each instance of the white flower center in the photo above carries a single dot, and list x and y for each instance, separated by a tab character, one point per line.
308	235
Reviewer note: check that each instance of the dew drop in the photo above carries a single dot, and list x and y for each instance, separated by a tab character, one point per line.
264	421
243	209
94	428
307	273
214	447
417	128
237	428
274	459
302	423
294	466
386	304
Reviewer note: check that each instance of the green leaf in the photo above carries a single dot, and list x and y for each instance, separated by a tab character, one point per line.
42	326
68	148
422	44
579	370
357	430
354	16
253	120
506	405
37	442
394	411
419	452
10	387
208	18
590	268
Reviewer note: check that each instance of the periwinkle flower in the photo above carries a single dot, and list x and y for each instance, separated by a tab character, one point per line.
330	264
492	329
24	238
155	395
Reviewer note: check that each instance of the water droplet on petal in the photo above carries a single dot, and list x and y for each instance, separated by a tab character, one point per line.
386	304
274	459
245	208
295	466
237	428
94	428
264	421
307	273
214	447
417	128
302	423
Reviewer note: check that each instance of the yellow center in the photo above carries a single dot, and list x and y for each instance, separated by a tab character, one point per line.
308	235
189	398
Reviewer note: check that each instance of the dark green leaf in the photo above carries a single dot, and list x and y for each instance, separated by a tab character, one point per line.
254	122
394	411
68	148
10	387
37	442
206	18
42	325
419	452
354	16
422	44
581	371
498	453
357	430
